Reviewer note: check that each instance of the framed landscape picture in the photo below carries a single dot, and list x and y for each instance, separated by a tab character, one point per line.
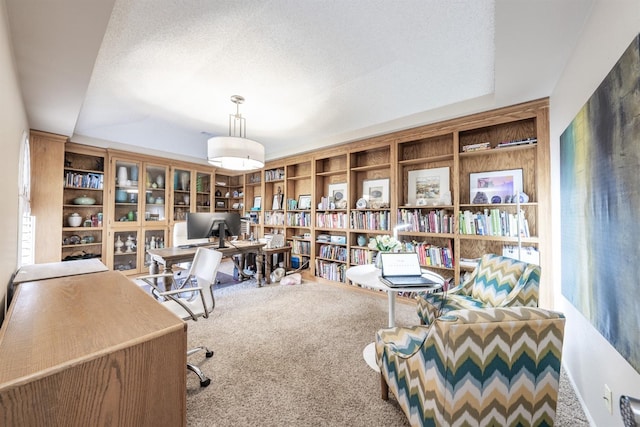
376	191
428	186
494	186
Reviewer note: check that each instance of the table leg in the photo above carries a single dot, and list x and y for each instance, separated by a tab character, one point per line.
392	309
259	261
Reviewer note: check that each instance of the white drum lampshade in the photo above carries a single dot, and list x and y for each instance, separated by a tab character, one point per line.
235	153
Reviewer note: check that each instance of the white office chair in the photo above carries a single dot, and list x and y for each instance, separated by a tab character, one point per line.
180	238
190	302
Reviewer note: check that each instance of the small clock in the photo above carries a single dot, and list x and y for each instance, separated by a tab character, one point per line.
361	203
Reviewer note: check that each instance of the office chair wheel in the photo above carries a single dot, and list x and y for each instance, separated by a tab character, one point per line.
209	353
205	382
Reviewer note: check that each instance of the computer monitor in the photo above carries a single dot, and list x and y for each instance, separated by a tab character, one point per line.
203	225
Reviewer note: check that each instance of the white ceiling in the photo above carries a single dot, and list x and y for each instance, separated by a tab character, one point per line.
157	75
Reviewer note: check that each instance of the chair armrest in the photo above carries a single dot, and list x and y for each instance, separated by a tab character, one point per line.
181	290
530	278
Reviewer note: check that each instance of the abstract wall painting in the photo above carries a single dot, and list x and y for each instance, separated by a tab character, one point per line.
600	192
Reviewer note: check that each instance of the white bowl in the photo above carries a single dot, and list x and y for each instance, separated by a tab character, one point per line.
74	220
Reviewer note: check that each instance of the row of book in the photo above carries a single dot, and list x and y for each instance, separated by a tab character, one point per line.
332	220
433	256
300	247
331	270
360	256
333	252
494	222
274	218
487	145
274	174
434	221
370	220
84	180
298	219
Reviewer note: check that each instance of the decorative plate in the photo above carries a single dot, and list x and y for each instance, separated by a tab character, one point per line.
361	203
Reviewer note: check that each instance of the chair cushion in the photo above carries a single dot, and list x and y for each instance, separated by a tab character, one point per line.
496	277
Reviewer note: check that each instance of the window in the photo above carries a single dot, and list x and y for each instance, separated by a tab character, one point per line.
26	247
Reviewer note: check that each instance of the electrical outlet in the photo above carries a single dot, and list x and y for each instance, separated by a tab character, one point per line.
608	398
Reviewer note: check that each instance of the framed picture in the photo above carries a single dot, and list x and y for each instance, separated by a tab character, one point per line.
304	201
429	187
375	191
257	202
277	201
338	192
495	186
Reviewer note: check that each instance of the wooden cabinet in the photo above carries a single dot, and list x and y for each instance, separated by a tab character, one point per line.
299	210
426	216
273	200
229	193
83	203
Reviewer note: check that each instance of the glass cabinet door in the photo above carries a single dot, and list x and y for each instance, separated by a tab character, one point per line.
203	191
126	208
181	193
155	195
154	238
125	251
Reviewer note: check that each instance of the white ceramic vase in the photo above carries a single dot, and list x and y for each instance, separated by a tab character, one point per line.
122	175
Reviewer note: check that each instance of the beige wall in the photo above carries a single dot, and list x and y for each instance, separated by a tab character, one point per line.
13	123
589	358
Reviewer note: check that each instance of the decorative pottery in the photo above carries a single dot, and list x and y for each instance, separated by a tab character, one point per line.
74	220
121	196
184	181
362	240
134	173
122	175
119	244
160	181
84	200
129	244
159	201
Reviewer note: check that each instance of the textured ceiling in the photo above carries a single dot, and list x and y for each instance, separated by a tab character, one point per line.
158	75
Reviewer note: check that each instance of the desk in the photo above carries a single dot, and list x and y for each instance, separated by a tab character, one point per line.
89	350
268	260
169	256
368	276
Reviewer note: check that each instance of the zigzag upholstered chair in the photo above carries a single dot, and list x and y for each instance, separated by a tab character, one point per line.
487	367
497	281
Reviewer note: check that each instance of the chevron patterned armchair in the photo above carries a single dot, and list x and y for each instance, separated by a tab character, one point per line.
497	281
487	367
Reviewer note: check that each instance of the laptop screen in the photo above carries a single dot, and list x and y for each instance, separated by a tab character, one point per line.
400	264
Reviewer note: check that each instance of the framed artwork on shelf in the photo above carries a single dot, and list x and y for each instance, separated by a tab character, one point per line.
494	186
338	192
277	201
304	201
376	192
257	202
429	187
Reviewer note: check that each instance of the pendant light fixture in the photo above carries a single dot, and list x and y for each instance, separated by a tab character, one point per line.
235	152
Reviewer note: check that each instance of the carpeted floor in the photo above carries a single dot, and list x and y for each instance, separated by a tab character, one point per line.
292	355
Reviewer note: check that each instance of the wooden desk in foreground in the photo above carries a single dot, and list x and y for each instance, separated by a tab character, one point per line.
91	350
174	255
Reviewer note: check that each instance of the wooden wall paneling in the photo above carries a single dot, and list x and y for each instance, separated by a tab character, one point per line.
47	162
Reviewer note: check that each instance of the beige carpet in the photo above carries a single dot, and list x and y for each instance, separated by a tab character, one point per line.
292	356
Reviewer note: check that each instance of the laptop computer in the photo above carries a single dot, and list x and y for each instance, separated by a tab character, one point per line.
402	269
